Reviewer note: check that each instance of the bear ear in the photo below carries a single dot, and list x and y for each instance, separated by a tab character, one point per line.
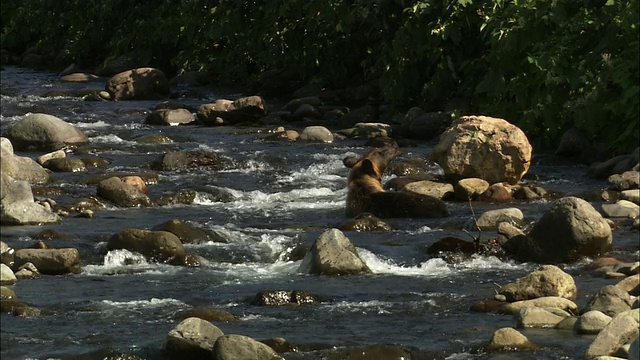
369	167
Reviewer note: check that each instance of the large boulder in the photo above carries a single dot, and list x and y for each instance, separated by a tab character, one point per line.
571	229
17	205
50	261
333	254
160	246
227	112
44	132
193	338
20	167
548	280
141	83
235	347
483	147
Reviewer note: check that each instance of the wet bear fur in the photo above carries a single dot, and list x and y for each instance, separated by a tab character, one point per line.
366	194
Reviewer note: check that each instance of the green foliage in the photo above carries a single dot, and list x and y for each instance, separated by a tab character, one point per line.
546	65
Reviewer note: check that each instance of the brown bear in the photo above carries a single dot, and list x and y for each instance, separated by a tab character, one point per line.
366	194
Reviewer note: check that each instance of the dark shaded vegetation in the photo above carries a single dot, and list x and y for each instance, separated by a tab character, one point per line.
546	66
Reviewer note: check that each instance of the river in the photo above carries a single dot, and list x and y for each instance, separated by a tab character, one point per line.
282	194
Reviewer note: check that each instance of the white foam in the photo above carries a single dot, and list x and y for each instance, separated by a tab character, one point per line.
431	267
144	304
108	139
92	125
123	261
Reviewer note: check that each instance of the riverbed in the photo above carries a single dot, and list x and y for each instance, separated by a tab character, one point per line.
283	194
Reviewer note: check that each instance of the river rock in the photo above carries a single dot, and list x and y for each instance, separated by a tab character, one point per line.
529	193
621	209
160	246
367	131
542	302
610	300
333	254
626	181
284	297
66	164
193	338
536	317
120	193
6	254
570	229
489	220
621	330
18	206
58	154
615	165
227	112
316	134
209	314
548	280
18	308
592	322
280	345
140	83
508	339
20	167
365	222
483	147
80	77
568	323
6	293
470	188
50	261
182	160
170	117
496	193
631	285
187	232
632	195
27	271
7	277
44	132
294	104
363	114
440	190
418	124
235	347
306	111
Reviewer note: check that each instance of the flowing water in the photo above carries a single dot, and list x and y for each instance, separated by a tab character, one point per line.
282	194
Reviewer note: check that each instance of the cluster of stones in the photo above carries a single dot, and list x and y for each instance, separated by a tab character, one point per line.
545	299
